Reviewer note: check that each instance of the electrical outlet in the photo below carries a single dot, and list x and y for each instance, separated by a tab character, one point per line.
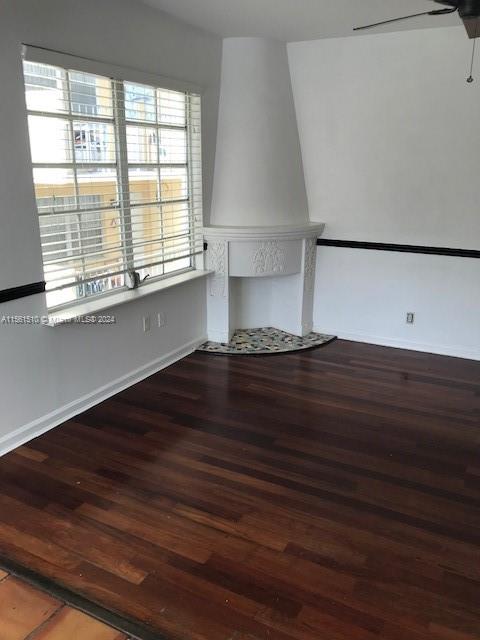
146	324
162	319
410	318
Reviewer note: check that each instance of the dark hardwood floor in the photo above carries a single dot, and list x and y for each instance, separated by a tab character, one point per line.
328	495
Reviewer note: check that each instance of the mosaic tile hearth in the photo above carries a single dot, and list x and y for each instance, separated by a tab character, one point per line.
264	341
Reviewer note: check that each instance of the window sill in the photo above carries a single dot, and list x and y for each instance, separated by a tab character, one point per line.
83	309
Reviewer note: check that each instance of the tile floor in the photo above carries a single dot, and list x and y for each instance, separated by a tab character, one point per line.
29	614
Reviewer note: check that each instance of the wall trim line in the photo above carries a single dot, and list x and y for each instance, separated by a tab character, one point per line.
41	425
15	293
402	248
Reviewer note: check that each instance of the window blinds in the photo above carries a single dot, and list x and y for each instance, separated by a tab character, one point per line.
118	179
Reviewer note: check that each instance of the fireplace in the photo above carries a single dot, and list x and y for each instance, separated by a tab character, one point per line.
261	244
262	276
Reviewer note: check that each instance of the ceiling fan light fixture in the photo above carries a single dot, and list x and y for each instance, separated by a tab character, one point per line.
472	25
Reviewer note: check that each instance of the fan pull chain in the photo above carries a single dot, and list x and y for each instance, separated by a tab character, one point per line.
470	77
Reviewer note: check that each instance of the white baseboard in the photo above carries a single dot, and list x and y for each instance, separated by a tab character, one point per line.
35	428
442	350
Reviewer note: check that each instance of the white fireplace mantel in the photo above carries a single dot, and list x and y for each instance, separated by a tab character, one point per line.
282	232
284	254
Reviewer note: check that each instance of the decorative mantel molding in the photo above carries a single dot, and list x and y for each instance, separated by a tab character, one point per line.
217	262
269	258
310	263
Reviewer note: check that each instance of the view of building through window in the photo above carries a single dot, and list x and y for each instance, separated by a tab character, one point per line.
117	175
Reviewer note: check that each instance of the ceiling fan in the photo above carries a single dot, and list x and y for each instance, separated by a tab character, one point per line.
468	10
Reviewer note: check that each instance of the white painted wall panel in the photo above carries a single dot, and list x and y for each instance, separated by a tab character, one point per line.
390	139
45	369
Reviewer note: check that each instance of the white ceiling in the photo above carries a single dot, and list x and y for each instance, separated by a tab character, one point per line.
295	20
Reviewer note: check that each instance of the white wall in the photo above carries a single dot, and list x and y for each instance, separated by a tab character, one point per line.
46	371
365	295
390	139
258	173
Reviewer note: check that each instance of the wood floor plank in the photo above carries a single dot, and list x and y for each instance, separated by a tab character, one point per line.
330	494
30	454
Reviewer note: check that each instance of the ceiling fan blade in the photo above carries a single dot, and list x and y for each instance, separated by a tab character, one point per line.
437	12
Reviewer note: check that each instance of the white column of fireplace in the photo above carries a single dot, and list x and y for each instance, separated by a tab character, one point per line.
261	244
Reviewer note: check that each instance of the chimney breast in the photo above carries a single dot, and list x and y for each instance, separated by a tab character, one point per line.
258	170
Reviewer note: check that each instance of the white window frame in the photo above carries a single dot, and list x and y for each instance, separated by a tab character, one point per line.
120	75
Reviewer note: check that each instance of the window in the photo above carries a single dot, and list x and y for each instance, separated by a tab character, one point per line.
67	233
117	175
